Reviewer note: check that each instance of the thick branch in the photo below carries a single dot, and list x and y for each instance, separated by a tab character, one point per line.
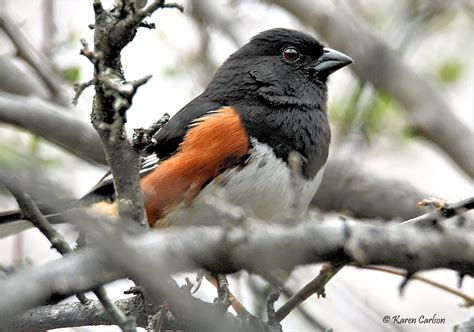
258	246
347	187
62	277
20	79
52	123
194	314
375	62
75	315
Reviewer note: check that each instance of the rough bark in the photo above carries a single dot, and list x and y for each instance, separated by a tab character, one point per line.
255	247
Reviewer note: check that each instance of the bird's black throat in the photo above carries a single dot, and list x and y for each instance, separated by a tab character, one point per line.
292	128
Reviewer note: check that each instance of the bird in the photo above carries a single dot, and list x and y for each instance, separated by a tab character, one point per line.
265	106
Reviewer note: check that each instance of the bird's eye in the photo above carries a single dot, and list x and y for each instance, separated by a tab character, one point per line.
291	54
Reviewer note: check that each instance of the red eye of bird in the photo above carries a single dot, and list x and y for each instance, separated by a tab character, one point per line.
291	54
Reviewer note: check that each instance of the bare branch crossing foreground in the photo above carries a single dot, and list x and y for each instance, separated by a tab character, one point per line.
32	213
76	314
253	246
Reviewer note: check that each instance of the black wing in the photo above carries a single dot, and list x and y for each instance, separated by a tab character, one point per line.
167	140
104	189
172	134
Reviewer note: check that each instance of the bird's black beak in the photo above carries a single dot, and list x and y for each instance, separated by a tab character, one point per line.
331	61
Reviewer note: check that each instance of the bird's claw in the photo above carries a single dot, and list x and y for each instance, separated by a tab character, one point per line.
223	293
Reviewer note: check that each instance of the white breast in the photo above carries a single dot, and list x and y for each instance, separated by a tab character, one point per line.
264	188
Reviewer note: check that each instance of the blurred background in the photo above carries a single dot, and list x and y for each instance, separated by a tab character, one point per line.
402	118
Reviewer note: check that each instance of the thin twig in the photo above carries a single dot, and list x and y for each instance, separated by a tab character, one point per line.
316	286
156	5
94	57
275	281
469	300
223	297
141	81
199	277
127	324
443	209
31	212
234	301
273	322
174	5
156	322
147	25
79	89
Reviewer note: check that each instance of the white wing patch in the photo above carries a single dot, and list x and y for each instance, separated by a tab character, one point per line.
147	164
206	116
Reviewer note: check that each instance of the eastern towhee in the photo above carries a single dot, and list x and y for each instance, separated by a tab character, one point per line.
266	102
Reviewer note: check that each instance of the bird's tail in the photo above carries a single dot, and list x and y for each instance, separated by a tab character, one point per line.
13	221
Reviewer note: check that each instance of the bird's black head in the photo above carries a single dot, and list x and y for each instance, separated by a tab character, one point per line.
278	67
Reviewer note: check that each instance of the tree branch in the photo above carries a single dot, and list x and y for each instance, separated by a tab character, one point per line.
114	29
52	123
275	281
315	286
20	79
35	59
347	187
195	314
468	300
33	214
254	247
75	315
443	210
